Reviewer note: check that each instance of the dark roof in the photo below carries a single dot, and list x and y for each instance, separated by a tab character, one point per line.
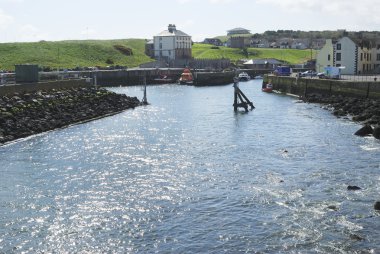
174	33
238	29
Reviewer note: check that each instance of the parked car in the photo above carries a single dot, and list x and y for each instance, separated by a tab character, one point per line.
321	75
309	73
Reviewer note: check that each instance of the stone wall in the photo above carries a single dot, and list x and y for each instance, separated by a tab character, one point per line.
49	85
304	86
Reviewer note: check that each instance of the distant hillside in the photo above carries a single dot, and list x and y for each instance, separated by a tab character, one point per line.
291	56
313	35
128	52
71	54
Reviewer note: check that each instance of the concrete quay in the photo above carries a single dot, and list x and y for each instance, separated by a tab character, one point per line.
328	87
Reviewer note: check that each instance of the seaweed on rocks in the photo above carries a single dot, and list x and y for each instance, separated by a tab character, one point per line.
363	110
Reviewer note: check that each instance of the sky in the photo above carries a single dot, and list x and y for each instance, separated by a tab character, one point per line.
55	20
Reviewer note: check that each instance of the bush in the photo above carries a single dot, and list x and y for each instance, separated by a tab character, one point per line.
126	51
109	61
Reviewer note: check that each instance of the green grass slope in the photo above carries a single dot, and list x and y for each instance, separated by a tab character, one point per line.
70	54
291	56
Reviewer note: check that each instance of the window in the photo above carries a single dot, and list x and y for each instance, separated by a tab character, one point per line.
160	45
363	67
329	57
338	46
361	56
338	65
378	57
338	56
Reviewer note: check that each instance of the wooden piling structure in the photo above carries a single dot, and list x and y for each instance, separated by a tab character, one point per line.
144	100
240	100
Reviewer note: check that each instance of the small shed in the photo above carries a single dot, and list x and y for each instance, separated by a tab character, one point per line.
26	73
262	64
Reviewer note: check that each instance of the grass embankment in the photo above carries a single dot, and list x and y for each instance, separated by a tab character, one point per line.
291	56
71	54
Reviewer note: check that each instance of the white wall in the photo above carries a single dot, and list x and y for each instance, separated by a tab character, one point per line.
169	44
164	46
348	55
323	56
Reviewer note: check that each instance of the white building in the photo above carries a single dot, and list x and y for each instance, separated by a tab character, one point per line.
358	56
345	55
325	56
172	44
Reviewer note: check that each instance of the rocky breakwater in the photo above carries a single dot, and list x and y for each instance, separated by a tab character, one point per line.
364	111
22	115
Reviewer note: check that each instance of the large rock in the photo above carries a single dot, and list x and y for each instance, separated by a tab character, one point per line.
364	131
376	132
353	187
376	206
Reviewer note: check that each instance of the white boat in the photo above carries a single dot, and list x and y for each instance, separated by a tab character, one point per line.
244	76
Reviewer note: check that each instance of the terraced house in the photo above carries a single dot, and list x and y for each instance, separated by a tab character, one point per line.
357	56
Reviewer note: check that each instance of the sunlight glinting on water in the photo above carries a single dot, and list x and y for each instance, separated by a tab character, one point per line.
187	175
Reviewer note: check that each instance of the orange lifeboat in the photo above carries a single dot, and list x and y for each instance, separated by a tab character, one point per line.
186	77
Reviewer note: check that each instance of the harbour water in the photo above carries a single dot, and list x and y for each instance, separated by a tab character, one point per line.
188	175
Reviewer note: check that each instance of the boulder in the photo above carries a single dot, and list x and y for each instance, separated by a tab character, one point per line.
333	207
376	132
353	187
376	206
364	131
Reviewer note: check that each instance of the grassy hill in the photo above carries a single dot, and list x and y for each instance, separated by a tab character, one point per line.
70	54
292	56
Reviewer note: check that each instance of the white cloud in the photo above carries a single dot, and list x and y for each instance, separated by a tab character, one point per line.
307	5
362	15
5	20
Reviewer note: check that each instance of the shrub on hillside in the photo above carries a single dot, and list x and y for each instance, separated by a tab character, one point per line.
124	50
109	61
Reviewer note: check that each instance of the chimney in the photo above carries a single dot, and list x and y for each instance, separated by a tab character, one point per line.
171	28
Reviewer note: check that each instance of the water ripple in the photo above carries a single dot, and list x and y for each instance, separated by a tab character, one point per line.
187	175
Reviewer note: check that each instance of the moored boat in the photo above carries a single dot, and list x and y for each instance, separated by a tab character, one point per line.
186	77
243	76
163	79
268	88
